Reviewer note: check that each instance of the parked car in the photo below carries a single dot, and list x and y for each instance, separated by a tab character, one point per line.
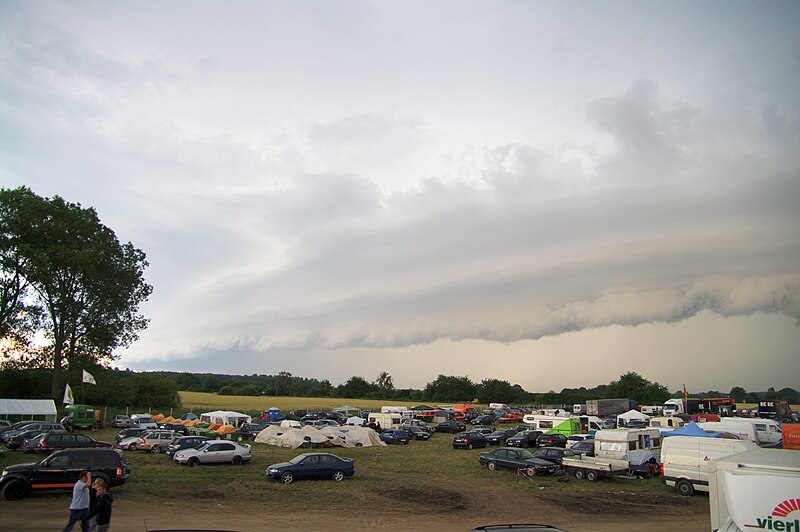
513	416
469	440
552	454
143	421
130	442
450	426
526	438
121	422
551	440
31	445
249	431
585	448
155	441
575	438
310	417
485	419
19	436
499	437
516	459
41	426
54	441
184	442
177	428
4	423
417	433
214	452
416	423
127	433
322	423
395	436
483	429
16	426
61	470
312	466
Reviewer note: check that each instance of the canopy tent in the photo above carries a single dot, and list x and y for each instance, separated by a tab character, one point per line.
422	407
189	416
631	415
348	410
225	417
28	409
691	429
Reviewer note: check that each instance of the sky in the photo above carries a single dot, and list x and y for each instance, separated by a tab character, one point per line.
548	193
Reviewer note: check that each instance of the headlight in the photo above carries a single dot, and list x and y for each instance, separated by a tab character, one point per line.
4	473
271	470
179	455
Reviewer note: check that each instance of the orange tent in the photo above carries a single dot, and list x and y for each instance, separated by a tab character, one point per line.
158	418
226	429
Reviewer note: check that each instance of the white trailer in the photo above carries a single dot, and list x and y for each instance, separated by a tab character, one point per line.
755	490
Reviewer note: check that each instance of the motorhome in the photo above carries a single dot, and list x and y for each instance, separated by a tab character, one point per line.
615	443
566	425
683	460
385	420
671	422
755	489
396	410
656	410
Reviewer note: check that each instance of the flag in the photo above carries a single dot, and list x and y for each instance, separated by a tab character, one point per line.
68	400
685	393
88	377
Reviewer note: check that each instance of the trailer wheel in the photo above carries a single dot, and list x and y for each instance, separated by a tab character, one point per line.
580	474
591	476
685	488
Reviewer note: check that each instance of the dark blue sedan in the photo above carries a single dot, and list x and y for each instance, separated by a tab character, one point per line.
395	436
312	466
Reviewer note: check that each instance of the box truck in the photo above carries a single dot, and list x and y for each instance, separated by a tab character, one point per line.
609	407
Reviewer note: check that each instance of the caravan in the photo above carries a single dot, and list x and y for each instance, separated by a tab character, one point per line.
566	425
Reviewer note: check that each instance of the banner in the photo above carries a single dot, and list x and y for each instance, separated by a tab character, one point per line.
88	377
68	399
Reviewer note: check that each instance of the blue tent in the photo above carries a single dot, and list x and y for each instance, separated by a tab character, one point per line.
691	429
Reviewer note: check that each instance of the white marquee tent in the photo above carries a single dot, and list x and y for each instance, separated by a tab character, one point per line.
28	409
630	415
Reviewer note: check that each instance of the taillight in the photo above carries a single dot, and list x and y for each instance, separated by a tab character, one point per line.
43	444
119	472
661	469
141	440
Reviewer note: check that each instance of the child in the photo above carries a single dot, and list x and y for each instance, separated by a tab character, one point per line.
102	507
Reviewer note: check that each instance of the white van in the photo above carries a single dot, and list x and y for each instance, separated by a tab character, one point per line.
768	430
143	421
740	428
683	460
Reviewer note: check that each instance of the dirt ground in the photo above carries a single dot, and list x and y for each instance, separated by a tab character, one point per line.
617	511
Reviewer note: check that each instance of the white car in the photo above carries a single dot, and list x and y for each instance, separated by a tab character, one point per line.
214	452
575	438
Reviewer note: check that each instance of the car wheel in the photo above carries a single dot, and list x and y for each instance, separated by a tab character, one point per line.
531	471
155	449
287	477
131	446
591	476
469	446
15	490
338	475
193	462
237	460
491	466
580	474
685	488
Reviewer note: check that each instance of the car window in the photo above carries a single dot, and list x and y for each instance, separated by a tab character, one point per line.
70	439
58	462
82	438
226	447
104	460
325	460
81	460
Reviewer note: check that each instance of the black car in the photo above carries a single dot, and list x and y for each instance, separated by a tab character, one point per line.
469	440
484	419
249	431
127	433
184	442
395	436
526	438
177	428
585	447
62	469
483	429
41	426
53	441
450	426
18	437
516	459
312	466
551	440
16	426
499	437
552	454
417	433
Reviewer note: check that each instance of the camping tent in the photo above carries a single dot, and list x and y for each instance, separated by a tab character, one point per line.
631	415
356	421
28	410
691	429
341	436
225	417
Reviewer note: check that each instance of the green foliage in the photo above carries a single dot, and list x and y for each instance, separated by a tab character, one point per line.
631	385
87	284
450	389
355	387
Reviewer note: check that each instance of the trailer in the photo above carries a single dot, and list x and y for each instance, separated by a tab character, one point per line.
778	410
609	407
592	468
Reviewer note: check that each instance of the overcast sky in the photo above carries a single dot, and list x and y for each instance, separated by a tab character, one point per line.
550	193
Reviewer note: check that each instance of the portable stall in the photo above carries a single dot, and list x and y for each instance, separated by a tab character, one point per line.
15	410
225	417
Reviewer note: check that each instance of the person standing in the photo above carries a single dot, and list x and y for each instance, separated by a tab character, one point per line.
101	508
79	508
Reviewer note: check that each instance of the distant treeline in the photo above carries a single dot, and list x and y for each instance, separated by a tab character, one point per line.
122	388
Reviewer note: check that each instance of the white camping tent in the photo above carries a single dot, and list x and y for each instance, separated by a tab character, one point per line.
28	409
630	415
356	421
341	436
226	417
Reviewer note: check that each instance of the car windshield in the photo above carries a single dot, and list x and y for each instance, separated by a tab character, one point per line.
203	446
145	419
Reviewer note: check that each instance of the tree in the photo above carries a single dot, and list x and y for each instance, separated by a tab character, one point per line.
449	388
88	285
634	386
385	385
355	387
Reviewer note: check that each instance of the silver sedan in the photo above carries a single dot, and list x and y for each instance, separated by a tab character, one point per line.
214	452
